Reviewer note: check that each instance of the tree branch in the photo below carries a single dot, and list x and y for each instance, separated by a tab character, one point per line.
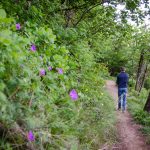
85	12
71	8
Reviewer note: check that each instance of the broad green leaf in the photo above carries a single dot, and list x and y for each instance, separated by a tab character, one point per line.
2	13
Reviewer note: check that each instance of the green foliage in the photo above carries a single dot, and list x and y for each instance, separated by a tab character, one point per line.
147	83
2	13
82	38
142	117
42	104
136	105
131	82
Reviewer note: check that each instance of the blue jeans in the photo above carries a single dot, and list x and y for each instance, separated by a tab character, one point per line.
122	94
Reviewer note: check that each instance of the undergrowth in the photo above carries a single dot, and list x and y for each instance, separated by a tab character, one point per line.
135	105
37	74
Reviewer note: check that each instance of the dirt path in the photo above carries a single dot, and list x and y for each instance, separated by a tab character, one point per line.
129	136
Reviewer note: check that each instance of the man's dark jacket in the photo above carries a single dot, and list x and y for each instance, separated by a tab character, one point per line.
122	80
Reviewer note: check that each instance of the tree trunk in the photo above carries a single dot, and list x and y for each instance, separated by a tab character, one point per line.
139	70
144	76
68	17
147	105
141	73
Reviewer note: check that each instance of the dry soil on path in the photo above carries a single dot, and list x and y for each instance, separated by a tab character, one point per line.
130	138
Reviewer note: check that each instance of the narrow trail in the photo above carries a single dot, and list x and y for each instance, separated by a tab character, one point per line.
130	138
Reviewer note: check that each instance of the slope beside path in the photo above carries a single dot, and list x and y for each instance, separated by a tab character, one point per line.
130	138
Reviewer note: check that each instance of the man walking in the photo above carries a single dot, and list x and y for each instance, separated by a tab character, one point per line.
122	82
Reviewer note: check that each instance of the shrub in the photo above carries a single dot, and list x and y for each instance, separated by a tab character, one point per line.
37	74
132	83
136	105
147	83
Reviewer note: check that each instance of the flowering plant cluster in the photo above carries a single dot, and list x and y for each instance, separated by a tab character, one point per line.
42	72
34	84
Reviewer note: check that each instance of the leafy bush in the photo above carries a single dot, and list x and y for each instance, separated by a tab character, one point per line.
136	105
132	83
142	117
37	73
147	83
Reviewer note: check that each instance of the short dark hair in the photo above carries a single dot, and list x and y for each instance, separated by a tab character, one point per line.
122	69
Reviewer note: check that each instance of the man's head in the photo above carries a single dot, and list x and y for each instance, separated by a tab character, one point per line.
122	69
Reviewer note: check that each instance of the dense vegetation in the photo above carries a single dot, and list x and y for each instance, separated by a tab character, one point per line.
136	104
55	56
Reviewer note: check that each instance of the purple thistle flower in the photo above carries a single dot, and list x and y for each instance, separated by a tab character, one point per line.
50	68
42	72
73	94
33	48
60	70
30	136
18	27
